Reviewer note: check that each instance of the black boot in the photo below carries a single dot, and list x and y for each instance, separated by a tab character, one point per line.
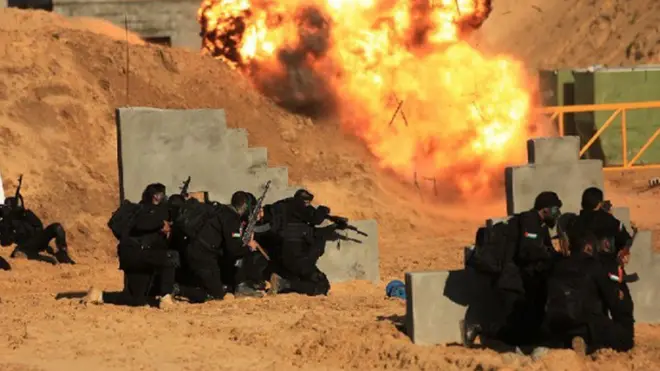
244	290
62	256
193	294
278	284
261	286
469	333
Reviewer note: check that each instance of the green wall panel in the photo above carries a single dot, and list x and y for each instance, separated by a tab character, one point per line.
618	87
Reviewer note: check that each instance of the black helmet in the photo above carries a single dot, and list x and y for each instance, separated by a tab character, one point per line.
151	190
304	195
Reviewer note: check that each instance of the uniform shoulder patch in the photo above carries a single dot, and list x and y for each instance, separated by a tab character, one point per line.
530	235
236	235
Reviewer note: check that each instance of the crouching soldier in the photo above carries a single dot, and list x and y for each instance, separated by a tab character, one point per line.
143	231
215	244
295	219
24	228
581	293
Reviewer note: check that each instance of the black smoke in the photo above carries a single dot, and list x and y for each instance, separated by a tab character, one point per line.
301	83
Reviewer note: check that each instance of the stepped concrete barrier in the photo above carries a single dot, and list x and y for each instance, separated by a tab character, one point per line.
168	145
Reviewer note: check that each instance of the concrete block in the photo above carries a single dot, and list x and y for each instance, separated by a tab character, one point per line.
645	292
623	214
167	146
641	254
278	194
555	150
237	139
438	300
431	317
258	157
568	180
347	260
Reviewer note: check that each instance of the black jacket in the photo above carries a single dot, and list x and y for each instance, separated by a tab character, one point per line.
529	251
602	295
604	225
19	225
148	226
219	236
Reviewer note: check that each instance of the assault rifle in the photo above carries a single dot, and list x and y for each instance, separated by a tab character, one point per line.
184	187
342	223
252	221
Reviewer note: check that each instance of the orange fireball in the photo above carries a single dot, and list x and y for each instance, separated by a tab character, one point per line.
398	73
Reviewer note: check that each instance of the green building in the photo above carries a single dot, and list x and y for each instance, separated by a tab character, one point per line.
598	85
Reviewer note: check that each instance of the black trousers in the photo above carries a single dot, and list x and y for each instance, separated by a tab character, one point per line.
299	268
508	327
205	267
531	312
618	332
141	269
248	269
523	313
39	241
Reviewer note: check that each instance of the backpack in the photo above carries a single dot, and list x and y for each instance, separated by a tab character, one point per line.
123	219
278	216
192	217
565	305
491	244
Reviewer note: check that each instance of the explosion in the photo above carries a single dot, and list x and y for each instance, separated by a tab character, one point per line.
398	73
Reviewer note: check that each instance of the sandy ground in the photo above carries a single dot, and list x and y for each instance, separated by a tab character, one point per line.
61	80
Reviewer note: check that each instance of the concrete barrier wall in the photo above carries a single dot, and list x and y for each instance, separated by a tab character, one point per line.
438	300
167	146
553	166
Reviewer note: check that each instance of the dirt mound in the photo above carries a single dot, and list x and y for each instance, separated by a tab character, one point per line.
555	34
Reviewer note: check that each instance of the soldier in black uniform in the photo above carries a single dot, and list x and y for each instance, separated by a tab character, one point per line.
24	228
595	213
218	241
582	292
254	264
521	284
144	254
295	219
